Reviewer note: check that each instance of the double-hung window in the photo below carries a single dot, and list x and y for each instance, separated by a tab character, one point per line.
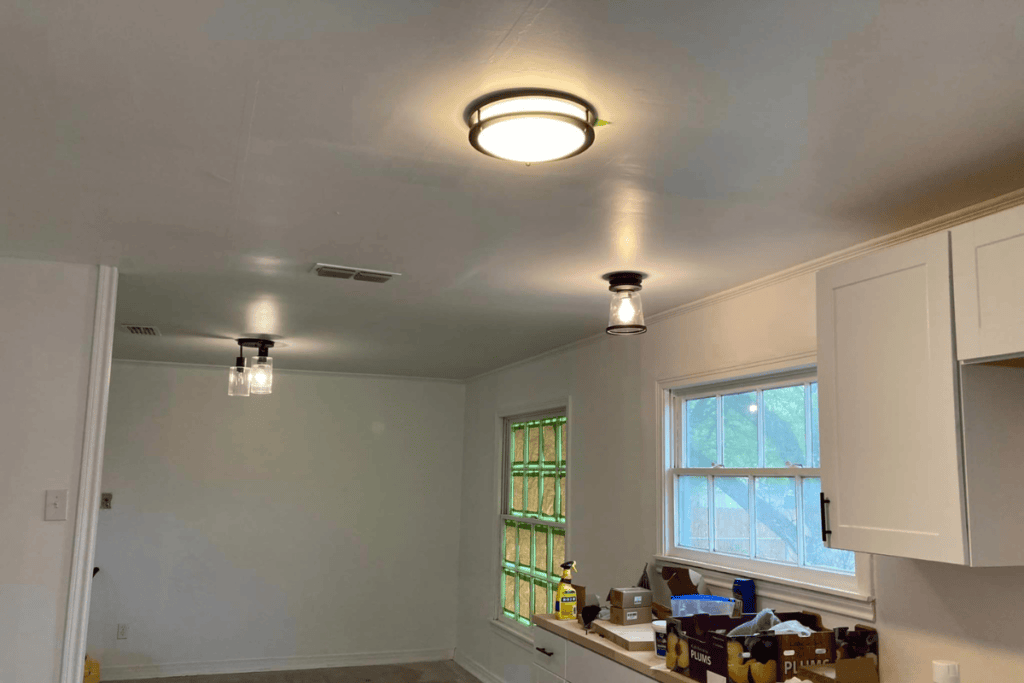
533	514
742	482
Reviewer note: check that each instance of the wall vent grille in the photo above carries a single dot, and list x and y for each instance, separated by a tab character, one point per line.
143	330
348	273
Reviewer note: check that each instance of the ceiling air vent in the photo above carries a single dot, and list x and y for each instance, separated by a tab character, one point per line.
347	273
144	330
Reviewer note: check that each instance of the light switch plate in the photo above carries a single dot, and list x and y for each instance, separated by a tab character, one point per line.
56	506
106	501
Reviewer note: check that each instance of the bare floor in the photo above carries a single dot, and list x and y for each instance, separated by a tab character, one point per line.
425	672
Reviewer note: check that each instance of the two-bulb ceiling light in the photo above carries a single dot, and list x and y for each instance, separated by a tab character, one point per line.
532	126
627	313
258	377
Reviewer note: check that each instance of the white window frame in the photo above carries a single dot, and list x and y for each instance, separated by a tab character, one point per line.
841	593
517	632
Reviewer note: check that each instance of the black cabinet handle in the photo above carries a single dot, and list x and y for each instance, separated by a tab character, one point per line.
543	651
825	531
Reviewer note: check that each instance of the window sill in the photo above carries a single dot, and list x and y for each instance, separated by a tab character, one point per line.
860	606
518	636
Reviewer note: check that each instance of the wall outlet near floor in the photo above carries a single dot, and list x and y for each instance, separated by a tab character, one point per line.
106	500
122	631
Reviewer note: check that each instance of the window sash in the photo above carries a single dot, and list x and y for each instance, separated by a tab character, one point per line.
675	466
547	473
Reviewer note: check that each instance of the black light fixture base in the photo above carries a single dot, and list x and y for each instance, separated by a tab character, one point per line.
262	344
624	280
623	330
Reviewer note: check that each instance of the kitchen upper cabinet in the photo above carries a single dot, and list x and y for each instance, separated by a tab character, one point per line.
988	269
887	382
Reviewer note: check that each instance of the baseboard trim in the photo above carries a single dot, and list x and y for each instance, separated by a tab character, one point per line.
476	668
238	666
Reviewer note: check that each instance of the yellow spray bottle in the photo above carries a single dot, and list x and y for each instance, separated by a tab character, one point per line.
565	596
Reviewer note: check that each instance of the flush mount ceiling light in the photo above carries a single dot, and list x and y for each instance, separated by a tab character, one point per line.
627	313
258	378
532	126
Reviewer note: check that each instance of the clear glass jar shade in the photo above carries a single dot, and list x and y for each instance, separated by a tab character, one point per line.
238	381
626	315
261	375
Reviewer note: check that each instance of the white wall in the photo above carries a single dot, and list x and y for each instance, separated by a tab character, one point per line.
924	610
316	526
47	311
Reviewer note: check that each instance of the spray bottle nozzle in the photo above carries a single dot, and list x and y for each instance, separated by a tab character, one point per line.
568	565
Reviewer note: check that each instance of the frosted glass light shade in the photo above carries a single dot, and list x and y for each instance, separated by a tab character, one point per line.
261	375
238	381
627	313
532	128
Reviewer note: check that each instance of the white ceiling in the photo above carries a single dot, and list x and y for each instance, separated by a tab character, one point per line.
215	150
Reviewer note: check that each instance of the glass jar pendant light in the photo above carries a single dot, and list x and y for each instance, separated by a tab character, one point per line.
238	376
261	374
626	315
258	378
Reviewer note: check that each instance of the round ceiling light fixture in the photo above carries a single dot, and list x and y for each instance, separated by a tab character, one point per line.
531	126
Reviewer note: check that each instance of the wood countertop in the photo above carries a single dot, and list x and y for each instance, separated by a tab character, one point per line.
647	663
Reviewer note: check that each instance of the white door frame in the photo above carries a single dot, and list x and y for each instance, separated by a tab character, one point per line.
77	621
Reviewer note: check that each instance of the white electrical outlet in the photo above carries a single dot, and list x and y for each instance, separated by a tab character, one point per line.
122	631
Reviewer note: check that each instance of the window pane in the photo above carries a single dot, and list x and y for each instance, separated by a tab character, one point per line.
547	507
776	519
557	551
563	443
702	432
533	442
524	545
732	521
510	542
561	498
815	440
540	561
817	555
532	494
740	436
548	444
785	426
517	444
692	513
517	493
509	597
524	599
540	598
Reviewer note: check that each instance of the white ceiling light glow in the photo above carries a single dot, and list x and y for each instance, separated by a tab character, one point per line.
532	128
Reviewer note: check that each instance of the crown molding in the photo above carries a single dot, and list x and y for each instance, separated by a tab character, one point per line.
945	222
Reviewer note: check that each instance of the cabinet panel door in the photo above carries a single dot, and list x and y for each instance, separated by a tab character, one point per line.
549	651
988	269
890	455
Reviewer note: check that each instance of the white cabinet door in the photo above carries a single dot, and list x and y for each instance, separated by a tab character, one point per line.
584	666
988	270
890	455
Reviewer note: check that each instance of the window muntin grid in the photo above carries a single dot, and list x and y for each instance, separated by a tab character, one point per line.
533	515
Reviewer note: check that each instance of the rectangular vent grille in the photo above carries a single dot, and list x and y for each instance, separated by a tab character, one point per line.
347	273
144	330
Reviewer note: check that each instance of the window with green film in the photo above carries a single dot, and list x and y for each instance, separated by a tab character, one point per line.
533	515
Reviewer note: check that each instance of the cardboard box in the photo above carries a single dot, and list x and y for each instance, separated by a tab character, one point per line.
627	616
91	672
631	597
706	654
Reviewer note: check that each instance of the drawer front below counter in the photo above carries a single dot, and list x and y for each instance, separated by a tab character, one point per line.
549	652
